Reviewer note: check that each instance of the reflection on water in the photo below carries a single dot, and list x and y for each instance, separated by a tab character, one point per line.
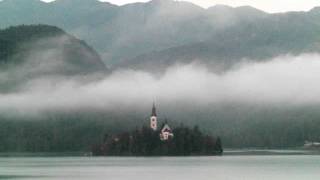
191	168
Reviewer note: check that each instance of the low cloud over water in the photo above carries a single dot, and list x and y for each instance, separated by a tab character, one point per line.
289	80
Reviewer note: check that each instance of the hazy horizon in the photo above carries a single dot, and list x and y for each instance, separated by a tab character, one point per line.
270	6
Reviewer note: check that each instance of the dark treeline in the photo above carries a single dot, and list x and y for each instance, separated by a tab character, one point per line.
77	132
146	142
71	131
56	133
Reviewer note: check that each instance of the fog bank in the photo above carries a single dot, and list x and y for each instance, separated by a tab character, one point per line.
287	80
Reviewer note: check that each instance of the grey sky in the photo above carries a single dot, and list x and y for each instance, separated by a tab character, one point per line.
266	5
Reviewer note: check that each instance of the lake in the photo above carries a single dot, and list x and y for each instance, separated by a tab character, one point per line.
238	167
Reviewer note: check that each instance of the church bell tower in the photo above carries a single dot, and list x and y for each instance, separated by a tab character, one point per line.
153	118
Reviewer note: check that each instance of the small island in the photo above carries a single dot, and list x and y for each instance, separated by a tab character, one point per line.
163	141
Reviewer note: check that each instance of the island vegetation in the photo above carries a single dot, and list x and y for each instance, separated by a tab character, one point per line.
146	142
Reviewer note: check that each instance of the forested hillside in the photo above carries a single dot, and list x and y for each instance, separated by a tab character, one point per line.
20	42
37	51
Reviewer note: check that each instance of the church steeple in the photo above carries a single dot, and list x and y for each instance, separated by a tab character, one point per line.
154	111
153	118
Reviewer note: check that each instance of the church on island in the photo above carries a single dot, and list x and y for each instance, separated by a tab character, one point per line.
153	139
165	131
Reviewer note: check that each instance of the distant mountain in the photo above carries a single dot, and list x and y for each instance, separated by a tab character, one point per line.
123	32
35	51
164	32
291	33
254	39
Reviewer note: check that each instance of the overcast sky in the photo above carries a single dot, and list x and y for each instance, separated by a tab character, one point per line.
266	5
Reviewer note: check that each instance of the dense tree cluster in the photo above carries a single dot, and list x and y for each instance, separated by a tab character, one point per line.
72	132
146	142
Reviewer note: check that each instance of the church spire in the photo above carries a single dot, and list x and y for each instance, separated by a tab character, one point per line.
153	118
154	111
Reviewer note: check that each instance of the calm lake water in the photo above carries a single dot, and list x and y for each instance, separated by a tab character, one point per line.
280	167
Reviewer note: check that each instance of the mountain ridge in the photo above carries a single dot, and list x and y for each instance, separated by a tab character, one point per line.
124	33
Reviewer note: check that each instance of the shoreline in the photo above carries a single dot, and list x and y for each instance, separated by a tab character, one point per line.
227	152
